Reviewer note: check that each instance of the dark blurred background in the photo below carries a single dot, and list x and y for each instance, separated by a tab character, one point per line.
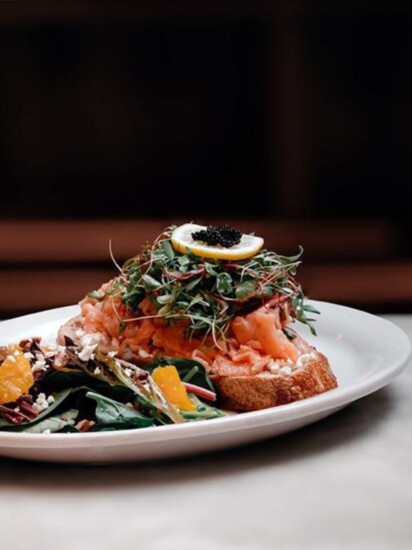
289	118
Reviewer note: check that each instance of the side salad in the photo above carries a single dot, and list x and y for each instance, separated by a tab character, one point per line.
65	389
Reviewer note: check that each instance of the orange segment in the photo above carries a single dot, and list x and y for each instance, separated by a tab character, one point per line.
16	377
168	380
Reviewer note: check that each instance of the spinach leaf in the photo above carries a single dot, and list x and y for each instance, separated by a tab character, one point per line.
203	412
54	423
59	380
58	400
121	381
199	376
112	414
146	391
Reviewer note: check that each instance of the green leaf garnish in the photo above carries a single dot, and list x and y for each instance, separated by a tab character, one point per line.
208	294
59	397
112	414
53	423
203	411
96	295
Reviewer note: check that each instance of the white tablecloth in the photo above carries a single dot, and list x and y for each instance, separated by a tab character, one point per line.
345	482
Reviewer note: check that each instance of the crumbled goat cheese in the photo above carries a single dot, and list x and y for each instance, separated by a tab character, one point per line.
28	355
90	339
143	354
16	353
41	403
87	353
11	358
285	370
273	366
97	371
128	372
50	399
112	354
89	343
304	358
40	363
79	332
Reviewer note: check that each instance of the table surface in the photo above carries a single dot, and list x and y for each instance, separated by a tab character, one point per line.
345	482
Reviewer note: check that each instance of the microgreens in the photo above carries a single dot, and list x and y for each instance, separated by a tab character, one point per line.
208	293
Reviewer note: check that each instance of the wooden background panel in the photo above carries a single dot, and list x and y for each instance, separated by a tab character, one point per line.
375	285
60	241
53	263
27	290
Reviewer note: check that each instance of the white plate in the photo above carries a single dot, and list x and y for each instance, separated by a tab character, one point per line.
366	352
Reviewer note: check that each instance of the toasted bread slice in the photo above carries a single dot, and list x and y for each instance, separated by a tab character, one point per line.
251	393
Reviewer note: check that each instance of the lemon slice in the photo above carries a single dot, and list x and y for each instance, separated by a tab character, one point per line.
182	240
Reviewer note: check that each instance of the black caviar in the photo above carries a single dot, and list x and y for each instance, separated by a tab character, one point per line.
224	236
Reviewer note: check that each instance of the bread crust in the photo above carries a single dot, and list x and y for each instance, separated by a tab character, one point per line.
251	393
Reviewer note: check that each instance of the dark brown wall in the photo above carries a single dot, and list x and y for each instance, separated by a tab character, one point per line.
137	114
304	108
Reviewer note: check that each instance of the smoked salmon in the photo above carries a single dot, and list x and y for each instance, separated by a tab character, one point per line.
254	340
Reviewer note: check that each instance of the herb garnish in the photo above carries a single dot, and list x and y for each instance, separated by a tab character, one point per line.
208	293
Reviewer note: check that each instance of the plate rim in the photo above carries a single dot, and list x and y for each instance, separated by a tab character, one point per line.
332	399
